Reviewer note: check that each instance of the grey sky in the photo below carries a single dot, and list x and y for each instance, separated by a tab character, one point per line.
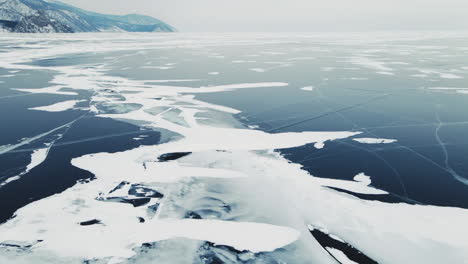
293	15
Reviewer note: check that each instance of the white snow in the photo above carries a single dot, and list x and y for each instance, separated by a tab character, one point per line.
51	90
157	67
244	61
11	179
307	88
450	76
359	185
327	69
176	80
430	72
38	156
301	58
272	53
58	107
375	140
258	70
386	73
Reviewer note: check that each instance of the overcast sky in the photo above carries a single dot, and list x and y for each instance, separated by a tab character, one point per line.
293	15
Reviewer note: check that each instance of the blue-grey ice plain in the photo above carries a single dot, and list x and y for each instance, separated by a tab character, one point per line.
217	165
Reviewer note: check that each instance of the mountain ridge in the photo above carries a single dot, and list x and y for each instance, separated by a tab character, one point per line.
45	16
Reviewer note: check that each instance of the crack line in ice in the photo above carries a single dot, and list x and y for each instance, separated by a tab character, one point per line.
448	168
8	148
380	97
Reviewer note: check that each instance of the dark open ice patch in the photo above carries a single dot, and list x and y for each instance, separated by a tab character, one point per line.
85	136
138	190
192	215
327	241
152	209
136	202
16	246
91	222
173	156
137	194
120	186
388	198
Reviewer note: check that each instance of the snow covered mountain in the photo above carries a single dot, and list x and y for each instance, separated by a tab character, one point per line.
46	16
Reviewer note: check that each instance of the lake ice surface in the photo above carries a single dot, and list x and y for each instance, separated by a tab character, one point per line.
232	179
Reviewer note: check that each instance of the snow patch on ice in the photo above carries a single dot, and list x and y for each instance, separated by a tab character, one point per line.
385	73
359	185
375	140
364	179
450	76
38	156
301	58
47	90
258	70
58	107
157	67
308	88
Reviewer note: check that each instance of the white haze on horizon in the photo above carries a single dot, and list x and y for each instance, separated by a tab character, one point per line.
293	15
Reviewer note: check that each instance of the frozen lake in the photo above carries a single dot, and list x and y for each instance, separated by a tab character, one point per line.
234	148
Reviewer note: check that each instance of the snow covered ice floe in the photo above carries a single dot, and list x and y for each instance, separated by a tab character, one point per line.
49	90
38	156
359	185
58	107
